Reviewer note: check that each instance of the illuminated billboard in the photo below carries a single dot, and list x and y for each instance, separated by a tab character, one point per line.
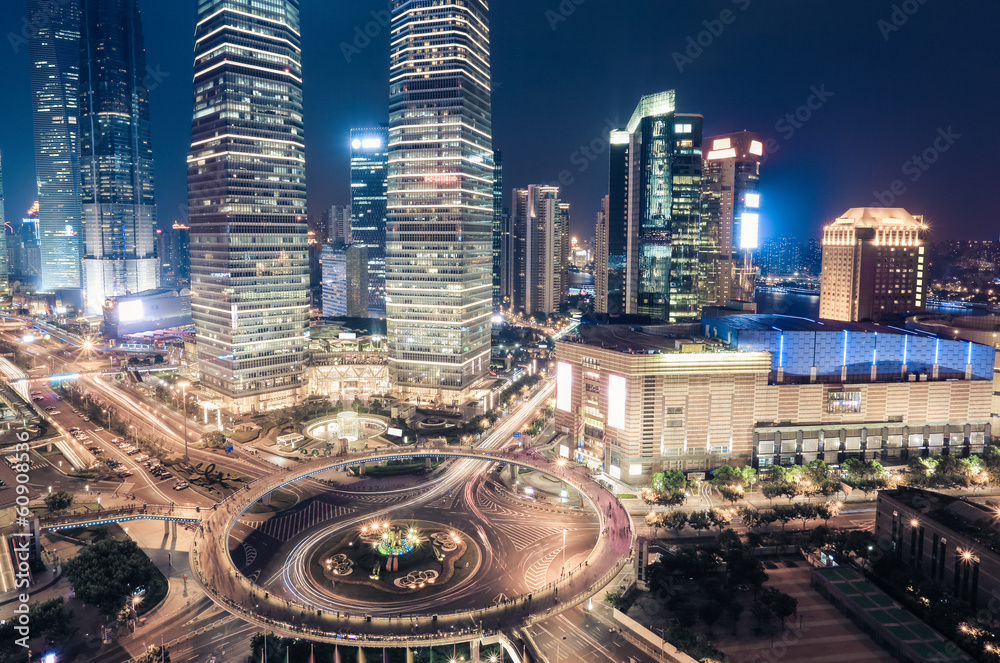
752	200
130	311
749	224
617	391
564	387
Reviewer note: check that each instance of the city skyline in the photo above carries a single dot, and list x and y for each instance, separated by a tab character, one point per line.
811	155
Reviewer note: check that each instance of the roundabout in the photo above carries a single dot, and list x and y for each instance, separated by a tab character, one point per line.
399	575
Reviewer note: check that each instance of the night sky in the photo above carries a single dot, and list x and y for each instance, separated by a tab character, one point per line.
896	80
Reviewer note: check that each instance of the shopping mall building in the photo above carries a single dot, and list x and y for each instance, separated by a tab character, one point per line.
766	389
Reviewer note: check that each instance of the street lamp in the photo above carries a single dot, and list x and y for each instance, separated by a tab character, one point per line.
564	550
184	386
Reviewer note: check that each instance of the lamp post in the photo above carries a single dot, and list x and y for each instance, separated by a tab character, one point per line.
183	386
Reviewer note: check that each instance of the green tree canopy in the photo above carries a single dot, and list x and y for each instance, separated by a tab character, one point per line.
110	571
58	501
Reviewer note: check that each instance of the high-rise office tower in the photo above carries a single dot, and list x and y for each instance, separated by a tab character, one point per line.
116	155
345	281
334	260
655	213
440	227
542	220
731	215
601	241
30	252
54	48
180	250
873	265
497	229
507	241
369	179
335	225
4	265
247	200
357	281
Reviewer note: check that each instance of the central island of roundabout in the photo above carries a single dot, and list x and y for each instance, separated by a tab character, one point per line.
379	581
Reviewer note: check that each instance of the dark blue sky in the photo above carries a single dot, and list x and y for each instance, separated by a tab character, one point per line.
890	92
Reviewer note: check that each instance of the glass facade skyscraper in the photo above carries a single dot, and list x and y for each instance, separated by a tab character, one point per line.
497	229
439	234
116	155
656	180
247	199
369	171
4	266
731	213
54	49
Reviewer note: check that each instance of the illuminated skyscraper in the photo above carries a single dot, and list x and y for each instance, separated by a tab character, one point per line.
439	235
873	265
4	266
247	198
655	212
498	229
54	48
116	155
542	220
731	215
601	240
369	169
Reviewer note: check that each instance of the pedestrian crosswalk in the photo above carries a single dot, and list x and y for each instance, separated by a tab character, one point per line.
535	576
285	527
524	537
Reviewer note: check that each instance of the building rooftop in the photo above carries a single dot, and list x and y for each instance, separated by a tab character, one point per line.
639	340
972	519
790	323
874	217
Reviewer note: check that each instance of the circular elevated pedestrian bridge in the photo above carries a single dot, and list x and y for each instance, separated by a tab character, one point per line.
228	587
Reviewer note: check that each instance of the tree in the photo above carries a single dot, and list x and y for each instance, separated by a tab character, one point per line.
58	501
750	516
709	613
615	599
719	517
699	520
772	490
214	439
734	609
669	488
859	471
675	520
729	540
110	571
780	604
805	512
828	510
783	514
731	493
153	655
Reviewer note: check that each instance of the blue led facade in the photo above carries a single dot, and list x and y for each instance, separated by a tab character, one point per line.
798	345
